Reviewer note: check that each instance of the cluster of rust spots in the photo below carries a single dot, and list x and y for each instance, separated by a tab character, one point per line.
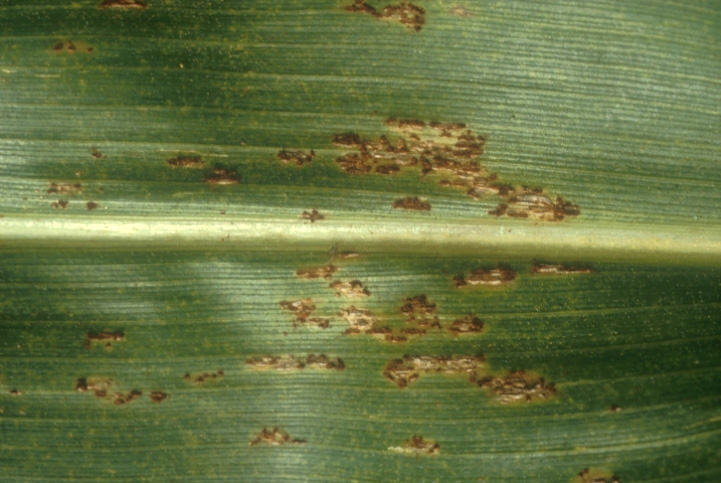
295	363
199	378
302	309
353	289
65	188
517	386
411	203
158	396
69	47
406	13
555	269
275	437
532	203
102	389
222	177
403	372
592	475
615	408
485	276
469	324
16	392
312	216
420	311
418	445
60	204
91	205
325	271
449	152
298	158
105	337
124	4
192	162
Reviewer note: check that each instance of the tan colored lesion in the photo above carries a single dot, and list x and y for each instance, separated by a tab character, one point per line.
295	363
72	47
104	389
222	177
596	475
65	188
469	324
302	309
124	4
104	337
405	371
411	203
449	152
558	269
297	157
405	13
351	289
275	437
199	378
517	387
325	271
486	276
419	310
191	162
418	445
312	216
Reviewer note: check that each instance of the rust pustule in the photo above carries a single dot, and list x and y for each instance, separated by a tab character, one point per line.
325	271
466	325
124	4
222	177
556	269
62	188
105	336
352	289
158	396
201	377
295	363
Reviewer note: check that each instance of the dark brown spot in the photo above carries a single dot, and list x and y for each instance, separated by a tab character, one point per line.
352	289
81	385
403	372
615	408
517	386
275	437
91	205
59	204
124	4
158	396
298	157
412	203
313	216
15	392
301	308
418	445
96	154
192	162
405	13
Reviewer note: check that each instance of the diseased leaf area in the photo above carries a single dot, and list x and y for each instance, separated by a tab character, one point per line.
360	240
169	365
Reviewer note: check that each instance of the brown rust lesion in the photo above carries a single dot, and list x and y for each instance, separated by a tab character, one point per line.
449	152
469	324
486	276
418	445
412	203
297	157
405	371
104	337
538	268
72	47
65	188
596	475
302	309
420	311
353	289
517	387
222	177
158	397
275	437
104	389
312	216
199	378
60	204
91	205
124	4
325	271
405	13
295	363
189	162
